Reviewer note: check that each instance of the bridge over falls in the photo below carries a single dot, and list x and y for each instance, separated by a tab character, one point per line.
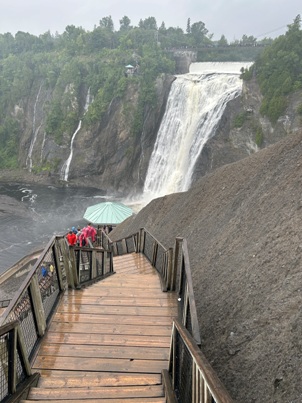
111	322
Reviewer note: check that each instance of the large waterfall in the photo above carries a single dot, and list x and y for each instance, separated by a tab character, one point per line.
194	108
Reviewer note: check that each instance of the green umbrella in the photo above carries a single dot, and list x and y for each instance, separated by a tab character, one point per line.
107	213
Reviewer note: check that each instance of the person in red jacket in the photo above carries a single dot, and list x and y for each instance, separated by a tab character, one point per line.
71	238
90	232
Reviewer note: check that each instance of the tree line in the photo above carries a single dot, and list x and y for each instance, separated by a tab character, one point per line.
96	59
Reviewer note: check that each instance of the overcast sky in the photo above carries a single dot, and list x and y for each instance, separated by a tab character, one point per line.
233	18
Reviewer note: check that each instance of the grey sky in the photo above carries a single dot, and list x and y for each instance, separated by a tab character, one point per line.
233	18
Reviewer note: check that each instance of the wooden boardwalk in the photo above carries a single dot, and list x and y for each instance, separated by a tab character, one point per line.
108	342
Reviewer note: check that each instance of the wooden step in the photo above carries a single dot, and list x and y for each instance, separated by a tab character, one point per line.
81	394
122	400
108	342
80	379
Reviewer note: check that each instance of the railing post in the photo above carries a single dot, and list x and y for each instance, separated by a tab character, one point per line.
12	361
22	351
38	309
154	254
177	249
169	270
58	267
93	265
73	267
135	242
141	240
125	248
67	265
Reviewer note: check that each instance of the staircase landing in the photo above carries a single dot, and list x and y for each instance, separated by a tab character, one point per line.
108	342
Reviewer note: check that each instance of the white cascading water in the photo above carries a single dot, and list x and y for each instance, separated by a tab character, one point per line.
194	108
65	168
35	131
66	165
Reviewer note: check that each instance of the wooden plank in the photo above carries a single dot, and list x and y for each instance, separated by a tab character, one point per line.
105	339
116	332
119	292
120	310
132	400
100	364
107	319
80	379
100	301
110	329
75	350
96	393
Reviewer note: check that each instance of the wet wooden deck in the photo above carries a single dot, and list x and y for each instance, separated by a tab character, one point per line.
110	341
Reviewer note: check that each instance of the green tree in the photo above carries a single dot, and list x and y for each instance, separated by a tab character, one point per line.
107	23
198	33
188	30
125	24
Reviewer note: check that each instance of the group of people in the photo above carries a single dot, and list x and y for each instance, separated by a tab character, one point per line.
79	237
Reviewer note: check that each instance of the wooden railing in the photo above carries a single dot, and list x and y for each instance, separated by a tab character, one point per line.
15	367
59	267
190	378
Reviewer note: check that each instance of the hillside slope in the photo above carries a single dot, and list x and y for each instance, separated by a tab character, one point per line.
243	224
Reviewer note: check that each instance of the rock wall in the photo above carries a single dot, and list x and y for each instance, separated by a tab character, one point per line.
109	156
232	143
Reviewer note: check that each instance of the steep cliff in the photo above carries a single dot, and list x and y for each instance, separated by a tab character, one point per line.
234	141
106	154
110	154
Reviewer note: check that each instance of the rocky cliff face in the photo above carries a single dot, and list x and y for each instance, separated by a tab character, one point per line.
232	143
109	156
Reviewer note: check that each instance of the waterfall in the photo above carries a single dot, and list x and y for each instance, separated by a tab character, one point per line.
34	132
66	165
65	168
194	108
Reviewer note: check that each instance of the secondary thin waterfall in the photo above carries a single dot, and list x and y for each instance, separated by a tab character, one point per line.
35	131
66	165
194	108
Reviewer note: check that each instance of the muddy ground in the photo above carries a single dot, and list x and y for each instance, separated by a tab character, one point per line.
243	224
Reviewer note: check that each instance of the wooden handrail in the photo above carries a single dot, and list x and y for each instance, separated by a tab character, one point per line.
189	304
204	378
38	296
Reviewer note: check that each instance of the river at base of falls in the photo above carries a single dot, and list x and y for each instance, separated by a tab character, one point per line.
51	211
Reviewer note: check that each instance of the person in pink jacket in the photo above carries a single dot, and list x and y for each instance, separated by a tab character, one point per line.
90	232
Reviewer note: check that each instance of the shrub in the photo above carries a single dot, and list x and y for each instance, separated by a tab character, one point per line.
240	119
259	137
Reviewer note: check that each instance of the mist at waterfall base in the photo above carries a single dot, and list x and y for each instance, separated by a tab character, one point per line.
52	211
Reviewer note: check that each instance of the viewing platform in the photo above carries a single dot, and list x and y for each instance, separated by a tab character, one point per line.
110	341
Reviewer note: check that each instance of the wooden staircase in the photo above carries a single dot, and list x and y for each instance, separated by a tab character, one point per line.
108	342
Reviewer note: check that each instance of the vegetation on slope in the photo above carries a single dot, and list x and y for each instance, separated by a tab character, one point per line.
79	60
278	71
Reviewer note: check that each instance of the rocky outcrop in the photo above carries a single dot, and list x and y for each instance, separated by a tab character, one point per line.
232	143
183	59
